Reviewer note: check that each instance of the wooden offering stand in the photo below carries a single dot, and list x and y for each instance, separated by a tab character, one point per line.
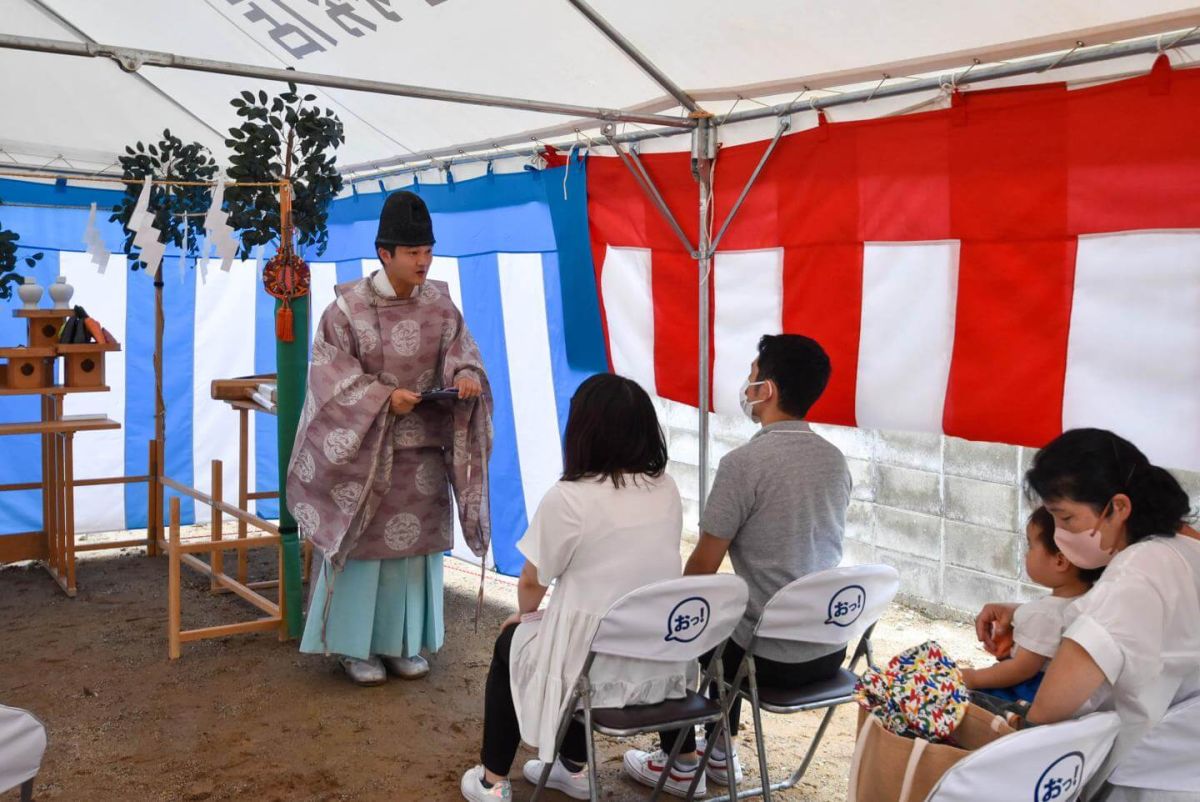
29	370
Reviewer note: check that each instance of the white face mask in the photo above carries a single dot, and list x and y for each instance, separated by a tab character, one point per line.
747	404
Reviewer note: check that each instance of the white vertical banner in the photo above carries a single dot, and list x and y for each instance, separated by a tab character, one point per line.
224	349
103	295
628	297
906	337
322	281
748	303
1133	354
445	269
531	375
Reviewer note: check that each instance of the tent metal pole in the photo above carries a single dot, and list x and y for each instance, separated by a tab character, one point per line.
635	55
646	183
704	154
132	59
784	125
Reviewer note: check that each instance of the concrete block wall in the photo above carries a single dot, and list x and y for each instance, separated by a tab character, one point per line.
949	514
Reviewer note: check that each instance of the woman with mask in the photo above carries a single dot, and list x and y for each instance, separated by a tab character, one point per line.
1133	641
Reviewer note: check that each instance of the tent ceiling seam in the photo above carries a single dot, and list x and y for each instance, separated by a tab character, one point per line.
333	100
973	73
41	6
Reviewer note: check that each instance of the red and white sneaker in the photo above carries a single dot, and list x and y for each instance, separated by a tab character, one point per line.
647	767
717	769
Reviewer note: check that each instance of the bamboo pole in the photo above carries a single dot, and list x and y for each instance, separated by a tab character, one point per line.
258	625
243	486
173	590
69	508
230	584
107	179
153	499
217	559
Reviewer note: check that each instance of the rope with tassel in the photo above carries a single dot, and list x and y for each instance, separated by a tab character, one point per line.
286	276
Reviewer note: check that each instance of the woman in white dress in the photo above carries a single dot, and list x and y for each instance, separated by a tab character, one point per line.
610	526
1132	643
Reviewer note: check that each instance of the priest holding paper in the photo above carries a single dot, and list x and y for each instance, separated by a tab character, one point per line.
378	450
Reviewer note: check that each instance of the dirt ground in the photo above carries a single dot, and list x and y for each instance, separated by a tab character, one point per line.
248	717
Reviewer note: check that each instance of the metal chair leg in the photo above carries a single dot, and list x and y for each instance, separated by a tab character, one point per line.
545	778
812	748
702	766
759	738
593	774
662	778
559	737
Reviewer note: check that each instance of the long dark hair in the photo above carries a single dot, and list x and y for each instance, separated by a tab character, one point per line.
612	431
1093	465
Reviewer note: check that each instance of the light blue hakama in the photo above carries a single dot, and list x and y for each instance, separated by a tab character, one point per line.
389	607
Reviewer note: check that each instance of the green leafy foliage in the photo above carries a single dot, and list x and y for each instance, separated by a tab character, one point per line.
169	159
8	261
283	135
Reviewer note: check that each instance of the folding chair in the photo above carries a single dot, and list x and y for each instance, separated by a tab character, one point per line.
1051	763
1164	761
677	620
831	607
22	744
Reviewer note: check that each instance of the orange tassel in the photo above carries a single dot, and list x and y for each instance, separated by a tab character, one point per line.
283	323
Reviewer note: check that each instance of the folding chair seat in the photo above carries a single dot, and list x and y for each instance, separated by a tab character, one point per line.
1163	764
621	722
697	615
1052	763
836	690
832	607
22	744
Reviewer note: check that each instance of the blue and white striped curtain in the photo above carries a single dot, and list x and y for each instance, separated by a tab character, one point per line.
497	248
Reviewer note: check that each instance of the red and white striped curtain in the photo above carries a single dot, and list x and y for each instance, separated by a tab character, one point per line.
1024	262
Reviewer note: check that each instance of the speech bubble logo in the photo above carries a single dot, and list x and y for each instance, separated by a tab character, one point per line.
846	606
688	619
1061	780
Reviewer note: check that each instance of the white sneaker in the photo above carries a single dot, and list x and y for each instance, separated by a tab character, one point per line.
473	790
717	769
647	767
407	667
576	786
364	672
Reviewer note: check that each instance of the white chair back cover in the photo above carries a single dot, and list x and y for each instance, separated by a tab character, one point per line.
1043	764
22	744
834	606
1168	757
677	619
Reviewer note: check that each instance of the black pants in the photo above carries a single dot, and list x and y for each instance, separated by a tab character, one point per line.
501	731
769	674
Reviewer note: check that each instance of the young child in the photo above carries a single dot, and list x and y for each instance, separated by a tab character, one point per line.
1038	625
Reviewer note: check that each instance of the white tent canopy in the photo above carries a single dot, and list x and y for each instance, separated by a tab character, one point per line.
86	110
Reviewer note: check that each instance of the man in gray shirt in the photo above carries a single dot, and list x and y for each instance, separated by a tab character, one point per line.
778	508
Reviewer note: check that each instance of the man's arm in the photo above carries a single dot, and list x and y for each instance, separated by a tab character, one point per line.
709	554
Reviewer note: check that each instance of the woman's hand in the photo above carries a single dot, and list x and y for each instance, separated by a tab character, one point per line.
993	627
468	388
515	618
404	401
